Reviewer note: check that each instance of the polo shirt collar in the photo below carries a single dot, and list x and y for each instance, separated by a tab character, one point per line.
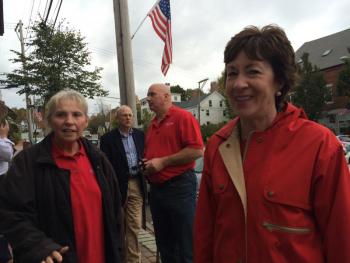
167	115
58	153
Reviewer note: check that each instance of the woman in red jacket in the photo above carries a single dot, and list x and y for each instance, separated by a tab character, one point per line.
275	186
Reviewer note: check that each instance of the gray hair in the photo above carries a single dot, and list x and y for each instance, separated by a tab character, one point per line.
66	94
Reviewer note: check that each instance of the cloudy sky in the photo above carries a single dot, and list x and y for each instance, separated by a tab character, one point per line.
201	29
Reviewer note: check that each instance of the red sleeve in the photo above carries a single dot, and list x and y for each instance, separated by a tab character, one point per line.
332	204
190	132
203	242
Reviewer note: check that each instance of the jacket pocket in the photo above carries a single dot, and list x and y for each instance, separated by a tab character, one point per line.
220	183
286	229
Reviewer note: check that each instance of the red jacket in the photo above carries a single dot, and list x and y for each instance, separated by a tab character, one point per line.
288	201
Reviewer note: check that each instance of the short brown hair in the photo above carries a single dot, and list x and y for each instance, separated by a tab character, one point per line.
269	43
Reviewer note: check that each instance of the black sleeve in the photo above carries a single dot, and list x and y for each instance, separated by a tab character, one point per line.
118	212
105	147
18	214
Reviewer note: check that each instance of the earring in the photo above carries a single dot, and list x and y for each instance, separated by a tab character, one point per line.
278	93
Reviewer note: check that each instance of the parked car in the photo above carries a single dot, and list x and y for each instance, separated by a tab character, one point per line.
198	168
347	153
345	141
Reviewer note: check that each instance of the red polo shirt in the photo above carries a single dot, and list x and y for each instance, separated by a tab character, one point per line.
86	203
178	129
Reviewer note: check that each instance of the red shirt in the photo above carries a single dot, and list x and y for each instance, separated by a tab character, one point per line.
86	202
178	130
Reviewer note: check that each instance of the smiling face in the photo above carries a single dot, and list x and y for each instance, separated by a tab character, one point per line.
251	87
68	122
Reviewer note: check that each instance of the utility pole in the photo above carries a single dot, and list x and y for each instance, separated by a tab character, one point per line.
124	53
199	97
29	113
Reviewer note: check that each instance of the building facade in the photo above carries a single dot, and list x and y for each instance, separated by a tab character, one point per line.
328	54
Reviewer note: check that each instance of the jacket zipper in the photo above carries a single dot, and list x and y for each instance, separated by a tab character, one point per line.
292	230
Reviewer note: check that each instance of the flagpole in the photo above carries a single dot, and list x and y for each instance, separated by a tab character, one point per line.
143	20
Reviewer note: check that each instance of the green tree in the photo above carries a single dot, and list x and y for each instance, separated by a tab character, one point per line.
21	115
343	84
147	117
221	80
96	121
208	130
178	89
59	59
311	90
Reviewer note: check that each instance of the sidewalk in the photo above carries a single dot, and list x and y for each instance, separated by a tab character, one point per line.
148	244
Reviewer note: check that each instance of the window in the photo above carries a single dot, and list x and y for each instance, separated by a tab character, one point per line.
328	97
208	122
327	52
290	96
207	111
220	103
224	113
175	98
210	103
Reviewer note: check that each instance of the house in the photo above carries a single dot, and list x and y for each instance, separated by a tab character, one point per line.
175	97
212	107
328	54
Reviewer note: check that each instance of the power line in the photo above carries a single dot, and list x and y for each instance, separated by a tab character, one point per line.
48	11
54	11
45	8
59	8
30	18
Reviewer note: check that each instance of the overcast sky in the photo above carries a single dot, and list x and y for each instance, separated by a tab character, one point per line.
201	29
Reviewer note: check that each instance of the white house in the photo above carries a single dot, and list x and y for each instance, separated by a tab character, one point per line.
212	107
175	97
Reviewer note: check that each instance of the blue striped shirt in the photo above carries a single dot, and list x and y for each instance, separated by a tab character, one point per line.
130	150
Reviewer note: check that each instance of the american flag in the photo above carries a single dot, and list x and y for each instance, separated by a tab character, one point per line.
161	21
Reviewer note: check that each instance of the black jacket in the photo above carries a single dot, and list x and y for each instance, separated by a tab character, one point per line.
35	205
111	144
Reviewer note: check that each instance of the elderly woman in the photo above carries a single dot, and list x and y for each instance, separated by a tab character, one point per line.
275	186
60	199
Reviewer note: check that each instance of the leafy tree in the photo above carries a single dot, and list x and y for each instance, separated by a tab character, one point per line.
95	121
343	84
147	117
178	89
221	80
208	130
311	90
21	115
186	94
59	60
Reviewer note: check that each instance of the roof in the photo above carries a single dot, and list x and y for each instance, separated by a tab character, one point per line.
191	103
336	45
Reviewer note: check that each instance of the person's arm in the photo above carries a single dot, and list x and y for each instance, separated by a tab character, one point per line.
117	207
18	213
203	228
6	150
105	147
185	156
331	203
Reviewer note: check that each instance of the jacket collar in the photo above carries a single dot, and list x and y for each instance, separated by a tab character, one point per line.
45	149
290	113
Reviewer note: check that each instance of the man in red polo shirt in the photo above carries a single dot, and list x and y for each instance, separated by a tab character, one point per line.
173	143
